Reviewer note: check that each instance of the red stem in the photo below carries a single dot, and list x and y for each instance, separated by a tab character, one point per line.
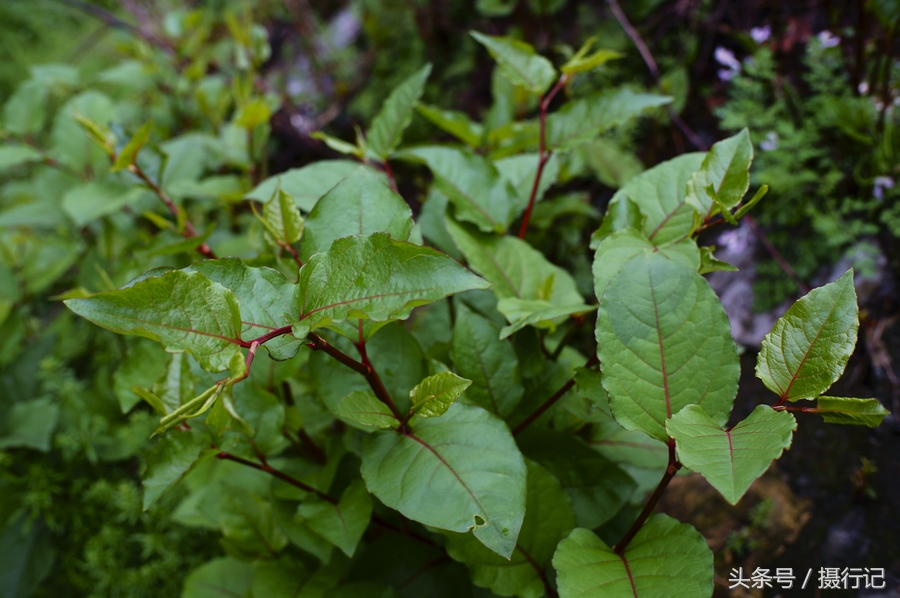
552	400
390	175
776	255
374	380
543	153
278	474
671	470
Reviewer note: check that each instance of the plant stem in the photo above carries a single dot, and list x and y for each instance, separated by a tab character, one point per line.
543	153
278	474
552	400
671	470
386	166
374	379
776	255
189	230
320	344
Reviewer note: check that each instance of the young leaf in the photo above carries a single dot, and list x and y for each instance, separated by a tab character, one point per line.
596	487
266	300
664	342
461	471
342	524
666	559
171	460
731	459
362	409
283	217
809	346
183	311
456	123
306	185
857	412
709	262
376	278
219	577
396	113
434	395
581	62
358	205
586	118
727	168
518	62
129	153
540	314
474	185
491	363
548	519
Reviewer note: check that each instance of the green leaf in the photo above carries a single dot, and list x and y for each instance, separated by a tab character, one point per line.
363	409
88	202
339	145
809	346
283	218
456	123
596	487
219	578
358	205
731	459
143	365
173	457
513	267
306	185
586	118
461	471
520	171
727	168
548	518
540	314
472	183
582	62
491	363
342	524
664	342
434	395
25	111
183	311
30	424
518	62
620	214
248	525
282	578
709	262
629	447
376	278
666	559
396	113
857	412
659	194
266	300
16	154
129	153
613	164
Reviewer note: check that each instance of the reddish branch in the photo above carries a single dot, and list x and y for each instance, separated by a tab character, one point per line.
543	153
552	400
372	376
671	470
776	255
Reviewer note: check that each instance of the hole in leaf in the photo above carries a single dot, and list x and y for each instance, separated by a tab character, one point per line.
479	521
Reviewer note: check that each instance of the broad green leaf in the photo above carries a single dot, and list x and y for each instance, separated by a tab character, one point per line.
396	113
299	534
518	62
628	447
513	267
664	342
520	171
538	313
87	202
170	460
472	183
248	525
342	524
376	278
266	301
456	123
363	409
25	112
143	365
666	559
219	578
727	168
71	146
620	214
659	194
431	221
283	217
459	472
596	487
30	424
434	395
618	249
264	413
586	118
129	153
306	185
844	410
26	551
548	519
809	346
731	459
282	578
358	205
183	311
589	386
613	164
491	363
16	154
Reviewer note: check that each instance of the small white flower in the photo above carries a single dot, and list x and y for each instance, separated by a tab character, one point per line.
770	142
863	88
882	183
725	57
761	34
828	39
